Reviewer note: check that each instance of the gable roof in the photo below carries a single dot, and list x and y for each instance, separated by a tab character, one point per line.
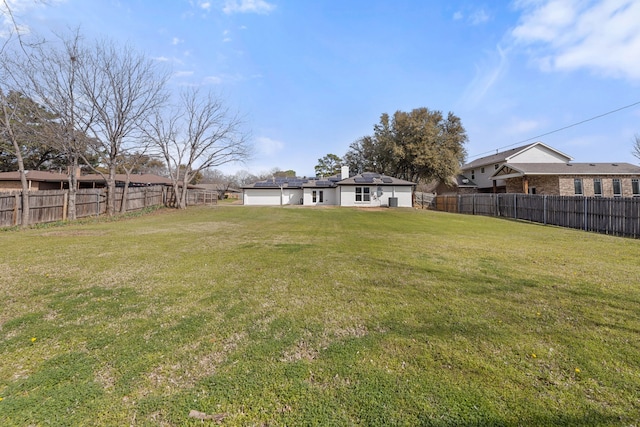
518	169
504	156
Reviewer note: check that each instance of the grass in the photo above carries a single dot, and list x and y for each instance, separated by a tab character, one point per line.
295	316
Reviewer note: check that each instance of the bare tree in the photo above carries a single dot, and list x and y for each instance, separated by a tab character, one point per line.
8	122
201	133
636	147
10	109
52	71
121	87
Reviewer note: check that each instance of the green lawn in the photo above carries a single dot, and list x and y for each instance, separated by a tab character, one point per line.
298	316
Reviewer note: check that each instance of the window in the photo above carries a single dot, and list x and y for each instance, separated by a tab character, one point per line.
577	186
481	170
597	187
313	196
320	196
363	194
496	166
635	187
532	190
473	172
617	188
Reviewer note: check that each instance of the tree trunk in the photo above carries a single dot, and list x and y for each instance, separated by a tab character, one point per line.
111	190
23	174
73	188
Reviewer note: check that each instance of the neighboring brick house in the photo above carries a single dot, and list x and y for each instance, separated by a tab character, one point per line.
539	169
481	171
572	179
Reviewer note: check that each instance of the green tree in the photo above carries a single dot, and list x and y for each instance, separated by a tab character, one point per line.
34	127
284	174
416	145
328	165
365	155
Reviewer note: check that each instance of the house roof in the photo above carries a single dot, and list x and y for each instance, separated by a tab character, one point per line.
374	179
463	181
44	176
509	170
141	179
218	187
330	182
504	156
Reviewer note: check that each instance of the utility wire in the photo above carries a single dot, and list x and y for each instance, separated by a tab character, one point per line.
557	130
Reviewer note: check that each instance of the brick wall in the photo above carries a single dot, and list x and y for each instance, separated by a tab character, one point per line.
542	185
568	189
564	185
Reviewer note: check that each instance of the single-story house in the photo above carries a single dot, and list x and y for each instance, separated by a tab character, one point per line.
44	180
540	169
363	190
95	180
36	180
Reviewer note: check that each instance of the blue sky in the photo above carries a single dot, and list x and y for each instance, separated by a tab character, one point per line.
312	76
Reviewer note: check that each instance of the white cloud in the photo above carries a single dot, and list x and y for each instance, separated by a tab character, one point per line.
247	6
216	80
10	22
475	16
175	41
478	17
522	126
204	5
487	76
268	146
601	36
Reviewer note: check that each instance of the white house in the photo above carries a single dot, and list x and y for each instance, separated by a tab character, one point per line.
364	190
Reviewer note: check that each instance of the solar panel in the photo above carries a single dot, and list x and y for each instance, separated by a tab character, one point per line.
387	180
370	175
323	183
364	180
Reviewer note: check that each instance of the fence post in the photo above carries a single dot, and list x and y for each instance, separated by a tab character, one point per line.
585	213
15	208
515	206
98	204
544	209
65	205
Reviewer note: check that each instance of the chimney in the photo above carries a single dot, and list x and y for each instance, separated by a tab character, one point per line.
344	174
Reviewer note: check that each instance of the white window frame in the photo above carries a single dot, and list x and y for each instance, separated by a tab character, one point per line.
578	189
363	194
635	187
597	184
617	181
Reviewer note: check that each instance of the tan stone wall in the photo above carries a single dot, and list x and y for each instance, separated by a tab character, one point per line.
542	184
567	185
564	185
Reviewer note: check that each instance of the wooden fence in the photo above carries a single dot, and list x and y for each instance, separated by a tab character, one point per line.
618	216
52	205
